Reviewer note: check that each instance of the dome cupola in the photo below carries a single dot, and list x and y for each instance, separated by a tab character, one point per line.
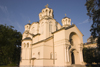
66	21
46	13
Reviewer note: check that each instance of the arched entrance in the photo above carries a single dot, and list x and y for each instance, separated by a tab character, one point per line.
74	39
72	58
74	48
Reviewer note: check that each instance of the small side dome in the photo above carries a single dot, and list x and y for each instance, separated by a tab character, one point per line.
66	22
27	26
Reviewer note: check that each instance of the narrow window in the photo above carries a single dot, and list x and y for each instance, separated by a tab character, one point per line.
24	45
42	28
38	54
27	44
50	27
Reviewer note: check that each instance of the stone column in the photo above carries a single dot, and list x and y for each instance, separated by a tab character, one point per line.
67	51
65	54
81	55
68	54
31	63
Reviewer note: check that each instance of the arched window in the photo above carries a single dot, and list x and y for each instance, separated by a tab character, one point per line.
50	26
42	28
46	10
27	26
27	44
24	45
38	54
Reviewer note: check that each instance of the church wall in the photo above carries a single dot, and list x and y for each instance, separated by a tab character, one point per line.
26	53
26	49
29	36
38	62
59	35
46	31
48	48
47	62
37	50
59	49
24	35
35	39
59	43
42	30
45	48
25	62
34	28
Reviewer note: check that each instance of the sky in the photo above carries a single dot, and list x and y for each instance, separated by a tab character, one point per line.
18	13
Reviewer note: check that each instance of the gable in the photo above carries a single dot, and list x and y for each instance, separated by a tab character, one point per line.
73	29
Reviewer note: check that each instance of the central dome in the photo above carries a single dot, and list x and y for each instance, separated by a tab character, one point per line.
46	13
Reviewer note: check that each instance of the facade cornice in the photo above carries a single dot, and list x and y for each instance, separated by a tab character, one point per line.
36	34
64	28
27	38
47	19
43	40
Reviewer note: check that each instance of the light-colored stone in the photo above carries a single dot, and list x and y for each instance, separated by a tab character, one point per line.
47	43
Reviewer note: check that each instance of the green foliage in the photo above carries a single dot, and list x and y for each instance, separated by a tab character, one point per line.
10	42
91	55
93	9
88	55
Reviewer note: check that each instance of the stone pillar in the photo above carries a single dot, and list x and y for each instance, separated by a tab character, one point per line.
31	63
81	55
67	53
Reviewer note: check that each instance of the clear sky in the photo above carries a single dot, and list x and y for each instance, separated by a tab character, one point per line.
18	12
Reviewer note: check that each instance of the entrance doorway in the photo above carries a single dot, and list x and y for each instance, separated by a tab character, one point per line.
72	58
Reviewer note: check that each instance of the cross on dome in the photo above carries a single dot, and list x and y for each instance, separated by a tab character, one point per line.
29	21
65	15
46	6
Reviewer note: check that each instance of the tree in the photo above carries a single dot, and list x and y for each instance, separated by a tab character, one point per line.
10	43
88	54
93	9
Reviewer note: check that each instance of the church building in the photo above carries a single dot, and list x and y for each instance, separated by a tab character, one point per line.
47	43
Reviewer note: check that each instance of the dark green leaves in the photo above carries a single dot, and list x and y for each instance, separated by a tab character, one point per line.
10	43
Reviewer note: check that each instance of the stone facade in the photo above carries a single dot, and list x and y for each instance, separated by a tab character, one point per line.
47	43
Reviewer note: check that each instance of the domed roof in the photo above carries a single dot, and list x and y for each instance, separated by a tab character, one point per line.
46	13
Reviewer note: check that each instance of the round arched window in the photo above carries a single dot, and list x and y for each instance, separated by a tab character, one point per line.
69	20
27	44
24	45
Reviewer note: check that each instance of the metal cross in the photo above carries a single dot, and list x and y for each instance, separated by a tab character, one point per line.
46	6
65	15
29	21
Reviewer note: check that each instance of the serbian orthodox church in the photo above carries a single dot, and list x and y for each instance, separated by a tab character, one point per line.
47	43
